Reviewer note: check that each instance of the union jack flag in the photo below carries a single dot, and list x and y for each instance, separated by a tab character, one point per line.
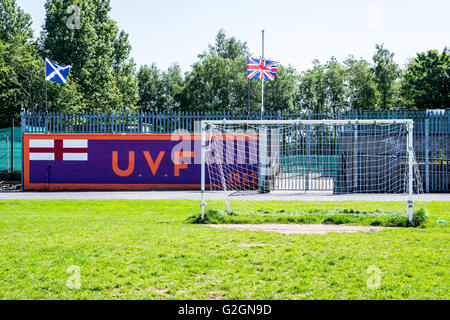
261	69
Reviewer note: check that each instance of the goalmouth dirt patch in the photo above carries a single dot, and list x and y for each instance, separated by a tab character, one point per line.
299	228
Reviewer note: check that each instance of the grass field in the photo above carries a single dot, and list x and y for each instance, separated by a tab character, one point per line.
147	250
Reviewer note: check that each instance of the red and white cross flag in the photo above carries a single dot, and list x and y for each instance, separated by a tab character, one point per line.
59	150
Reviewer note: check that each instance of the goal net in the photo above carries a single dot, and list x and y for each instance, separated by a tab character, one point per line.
305	167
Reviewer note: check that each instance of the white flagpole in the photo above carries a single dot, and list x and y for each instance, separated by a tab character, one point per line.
45	79
262	73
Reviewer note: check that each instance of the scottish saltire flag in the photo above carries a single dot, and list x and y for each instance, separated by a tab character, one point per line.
55	72
261	69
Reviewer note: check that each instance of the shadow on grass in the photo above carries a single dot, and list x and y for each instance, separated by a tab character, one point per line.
351	217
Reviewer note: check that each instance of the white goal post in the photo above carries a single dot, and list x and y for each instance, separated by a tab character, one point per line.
246	164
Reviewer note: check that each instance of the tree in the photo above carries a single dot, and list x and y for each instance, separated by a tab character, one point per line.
361	84
173	83
322	89
386	73
217	82
280	94
150	89
16	58
98	52
22	70
159	91
312	90
226	48
426	81
334	81
15	24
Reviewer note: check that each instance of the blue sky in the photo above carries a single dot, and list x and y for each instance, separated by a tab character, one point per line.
297	31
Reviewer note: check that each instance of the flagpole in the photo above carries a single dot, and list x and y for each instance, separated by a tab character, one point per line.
45	79
248	97
262	75
46	109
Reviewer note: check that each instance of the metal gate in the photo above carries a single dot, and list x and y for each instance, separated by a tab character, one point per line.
308	158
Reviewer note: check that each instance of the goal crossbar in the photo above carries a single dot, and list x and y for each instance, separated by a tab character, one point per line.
311	122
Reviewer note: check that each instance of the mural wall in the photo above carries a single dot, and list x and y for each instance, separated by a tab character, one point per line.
56	162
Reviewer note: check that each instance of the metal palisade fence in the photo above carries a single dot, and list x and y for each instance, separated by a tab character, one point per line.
431	130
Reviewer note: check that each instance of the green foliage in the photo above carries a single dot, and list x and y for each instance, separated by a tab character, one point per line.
427	80
386	72
323	89
281	94
15	24
211	217
312	90
419	218
334	80
104	75
17	61
22	84
13	88
22	70
98	52
316	216
160	91
226	48
218	82
361	84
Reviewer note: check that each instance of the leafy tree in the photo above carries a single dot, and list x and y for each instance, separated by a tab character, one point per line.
173	83
386	73
98	52
15	24
322	89
312	90
104	78
150	88
226	48
217	82
361	84
159	91
16	58
334	81
426	83
281	93
22	69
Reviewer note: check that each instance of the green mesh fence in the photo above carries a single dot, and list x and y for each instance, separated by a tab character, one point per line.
324	164
6	148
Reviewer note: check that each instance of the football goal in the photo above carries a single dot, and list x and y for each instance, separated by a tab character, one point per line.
295	167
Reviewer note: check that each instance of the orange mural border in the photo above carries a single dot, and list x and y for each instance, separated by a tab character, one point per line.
109	136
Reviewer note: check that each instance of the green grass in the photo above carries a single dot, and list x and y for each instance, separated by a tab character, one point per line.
146	250
315	216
